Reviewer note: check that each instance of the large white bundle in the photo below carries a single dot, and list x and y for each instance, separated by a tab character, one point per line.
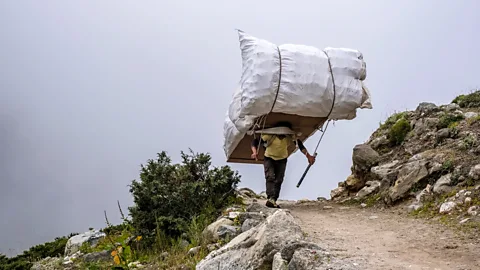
294	79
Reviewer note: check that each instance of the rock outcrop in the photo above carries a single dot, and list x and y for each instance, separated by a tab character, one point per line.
270	239
75	242
434	146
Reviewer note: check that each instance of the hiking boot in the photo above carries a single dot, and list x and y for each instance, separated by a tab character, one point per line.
271	203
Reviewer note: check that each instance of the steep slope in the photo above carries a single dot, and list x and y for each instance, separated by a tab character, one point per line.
426	160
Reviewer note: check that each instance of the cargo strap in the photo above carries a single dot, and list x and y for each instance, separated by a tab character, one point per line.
274	101
264	117
326	126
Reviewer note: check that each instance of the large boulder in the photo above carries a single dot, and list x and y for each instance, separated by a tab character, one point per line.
354	183
211	233
410	174
364	157
75	242
443	184
426	108
255	248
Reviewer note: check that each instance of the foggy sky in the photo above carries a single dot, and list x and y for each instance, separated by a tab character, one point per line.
92	89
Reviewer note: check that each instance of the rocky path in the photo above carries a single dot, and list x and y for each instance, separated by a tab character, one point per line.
384	239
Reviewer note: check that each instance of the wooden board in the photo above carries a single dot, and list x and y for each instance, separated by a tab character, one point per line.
306	125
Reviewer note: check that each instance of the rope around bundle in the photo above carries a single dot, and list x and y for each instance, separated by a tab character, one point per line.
264	117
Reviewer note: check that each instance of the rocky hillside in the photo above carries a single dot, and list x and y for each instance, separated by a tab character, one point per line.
427	160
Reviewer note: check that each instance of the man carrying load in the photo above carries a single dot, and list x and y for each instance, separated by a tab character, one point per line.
275	159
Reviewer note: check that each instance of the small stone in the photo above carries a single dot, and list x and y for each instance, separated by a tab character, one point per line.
464	220
370	188
97	256
337	192
373	217
363	205
447	207
326	207
414	207
443	134
468	200
164	255
233	215
475	172
473	210
135	265
443	184
193	251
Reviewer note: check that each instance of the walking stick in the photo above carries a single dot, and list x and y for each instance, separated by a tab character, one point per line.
314	154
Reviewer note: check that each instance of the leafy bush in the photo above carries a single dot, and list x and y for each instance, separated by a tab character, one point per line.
399	131
471	100
35	253
393	119
169	196
449	120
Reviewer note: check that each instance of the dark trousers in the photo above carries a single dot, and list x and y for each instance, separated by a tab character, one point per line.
274	173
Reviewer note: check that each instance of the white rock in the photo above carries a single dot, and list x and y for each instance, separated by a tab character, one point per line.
337	192
75	242
193	251
469	115
475	172
69	259
370	188
473	210
363	205
382	171
279	263
251	249
464	220
233	215
373	217
326	207
447	207
443	184
426	191
468	200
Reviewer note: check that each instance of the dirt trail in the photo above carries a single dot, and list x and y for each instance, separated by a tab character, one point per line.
383	239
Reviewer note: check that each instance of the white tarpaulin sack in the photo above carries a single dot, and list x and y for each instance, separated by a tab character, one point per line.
294	80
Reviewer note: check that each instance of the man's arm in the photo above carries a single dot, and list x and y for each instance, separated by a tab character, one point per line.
311	159
254	147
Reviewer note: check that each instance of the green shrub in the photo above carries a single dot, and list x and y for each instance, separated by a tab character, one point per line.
169	196
35	253
399	131
471	100
393	119
449	120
